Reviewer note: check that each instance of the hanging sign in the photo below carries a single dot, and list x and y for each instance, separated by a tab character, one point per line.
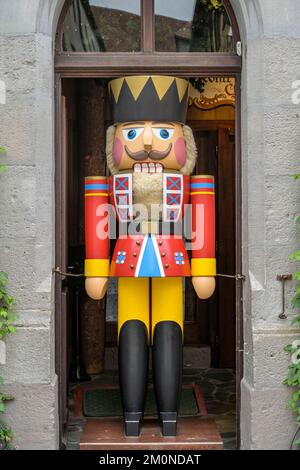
212	92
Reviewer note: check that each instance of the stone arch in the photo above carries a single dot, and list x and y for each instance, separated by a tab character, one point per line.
250	21
249	18
48	16
40	18
248	14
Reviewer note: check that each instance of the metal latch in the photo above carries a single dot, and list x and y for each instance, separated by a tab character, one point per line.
61	273
283	278
237	277
239	48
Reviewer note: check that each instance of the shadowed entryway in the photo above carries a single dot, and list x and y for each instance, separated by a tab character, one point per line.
89	328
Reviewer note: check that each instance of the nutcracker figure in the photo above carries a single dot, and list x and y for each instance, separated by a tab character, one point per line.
151	154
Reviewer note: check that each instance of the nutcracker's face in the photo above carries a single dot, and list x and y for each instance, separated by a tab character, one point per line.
149	146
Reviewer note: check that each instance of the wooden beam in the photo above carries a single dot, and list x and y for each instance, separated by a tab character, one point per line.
147	14
89	64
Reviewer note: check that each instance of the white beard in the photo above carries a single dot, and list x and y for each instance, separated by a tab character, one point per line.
148	194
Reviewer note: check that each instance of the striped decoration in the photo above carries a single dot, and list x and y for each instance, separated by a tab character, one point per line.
202	185
96	186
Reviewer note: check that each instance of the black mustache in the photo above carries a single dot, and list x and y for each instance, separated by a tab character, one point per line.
143	154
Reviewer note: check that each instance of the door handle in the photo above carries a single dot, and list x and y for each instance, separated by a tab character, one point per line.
283	278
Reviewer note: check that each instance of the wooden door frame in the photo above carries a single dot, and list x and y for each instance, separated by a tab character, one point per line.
109	65
147	61
61	185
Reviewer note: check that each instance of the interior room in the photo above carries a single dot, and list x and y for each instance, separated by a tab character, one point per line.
209	385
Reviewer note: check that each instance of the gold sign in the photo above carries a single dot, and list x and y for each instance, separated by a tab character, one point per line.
212	92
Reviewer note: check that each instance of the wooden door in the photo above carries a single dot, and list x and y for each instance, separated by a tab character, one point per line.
226	248
212	321
200	316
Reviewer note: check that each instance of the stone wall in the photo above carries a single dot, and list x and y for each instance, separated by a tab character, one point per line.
271	199
270	155
27	220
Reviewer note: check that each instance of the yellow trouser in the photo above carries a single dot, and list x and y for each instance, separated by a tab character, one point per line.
134	301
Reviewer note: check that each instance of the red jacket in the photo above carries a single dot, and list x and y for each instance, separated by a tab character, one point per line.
143	255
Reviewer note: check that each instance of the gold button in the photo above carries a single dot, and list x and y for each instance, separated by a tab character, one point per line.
138	242
134	254
163	255
160	242
132	266
166	265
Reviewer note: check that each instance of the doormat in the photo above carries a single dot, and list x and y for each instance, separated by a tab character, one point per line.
101	403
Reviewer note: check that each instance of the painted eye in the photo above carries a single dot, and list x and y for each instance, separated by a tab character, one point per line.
163	133
132	134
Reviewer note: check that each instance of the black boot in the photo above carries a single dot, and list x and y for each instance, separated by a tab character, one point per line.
133	371
167	373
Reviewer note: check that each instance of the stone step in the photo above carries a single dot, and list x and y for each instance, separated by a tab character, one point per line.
193	433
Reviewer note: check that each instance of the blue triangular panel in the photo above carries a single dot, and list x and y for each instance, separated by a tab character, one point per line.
149	266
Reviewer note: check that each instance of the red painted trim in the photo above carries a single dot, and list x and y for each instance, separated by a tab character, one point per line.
200	400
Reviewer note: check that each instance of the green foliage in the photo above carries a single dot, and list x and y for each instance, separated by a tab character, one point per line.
213	4
293	378
3	168
6	437
3	399
7	314
7	317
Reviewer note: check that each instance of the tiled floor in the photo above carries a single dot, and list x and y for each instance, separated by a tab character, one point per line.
218	388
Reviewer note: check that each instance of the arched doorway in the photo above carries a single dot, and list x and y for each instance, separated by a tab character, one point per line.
95	43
